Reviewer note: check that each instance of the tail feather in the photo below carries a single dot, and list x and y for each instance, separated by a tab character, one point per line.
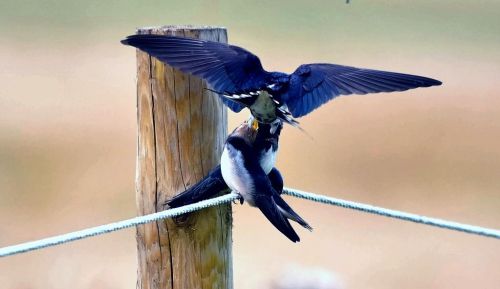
285	115
269	208
290	213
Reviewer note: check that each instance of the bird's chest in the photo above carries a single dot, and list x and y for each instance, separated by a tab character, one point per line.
267	159
235	174
264	108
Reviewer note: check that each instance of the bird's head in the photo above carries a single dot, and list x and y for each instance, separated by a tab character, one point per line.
253	123
252	129
247	130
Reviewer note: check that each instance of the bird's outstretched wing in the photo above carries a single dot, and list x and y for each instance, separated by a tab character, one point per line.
227	68
312	85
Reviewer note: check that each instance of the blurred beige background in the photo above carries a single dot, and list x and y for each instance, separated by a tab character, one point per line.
67	139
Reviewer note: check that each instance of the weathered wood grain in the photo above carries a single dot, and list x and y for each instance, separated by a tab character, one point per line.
181	131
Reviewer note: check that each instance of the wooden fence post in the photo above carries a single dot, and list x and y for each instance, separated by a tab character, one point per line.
181	132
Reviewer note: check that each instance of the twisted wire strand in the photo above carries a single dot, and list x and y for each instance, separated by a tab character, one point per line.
108	228
394	214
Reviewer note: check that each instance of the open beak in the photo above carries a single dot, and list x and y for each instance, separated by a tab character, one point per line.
255	124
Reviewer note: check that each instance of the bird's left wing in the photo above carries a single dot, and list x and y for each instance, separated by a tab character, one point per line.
210	186
312	85
227	68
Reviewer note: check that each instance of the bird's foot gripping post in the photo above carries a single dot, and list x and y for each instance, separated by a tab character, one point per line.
181	131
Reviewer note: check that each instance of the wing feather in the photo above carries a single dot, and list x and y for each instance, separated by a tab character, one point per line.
312	85
227	68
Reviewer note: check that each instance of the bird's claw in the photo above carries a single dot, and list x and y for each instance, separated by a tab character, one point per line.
239	199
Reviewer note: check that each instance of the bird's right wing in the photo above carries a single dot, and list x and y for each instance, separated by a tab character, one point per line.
312	85
227	68
276	180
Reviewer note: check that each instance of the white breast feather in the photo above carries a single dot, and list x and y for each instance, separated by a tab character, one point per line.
268	160
235	174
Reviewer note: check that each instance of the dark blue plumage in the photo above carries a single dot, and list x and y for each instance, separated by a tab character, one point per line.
312	85
213	184
226	68
247	167
242	170
238	75
210	186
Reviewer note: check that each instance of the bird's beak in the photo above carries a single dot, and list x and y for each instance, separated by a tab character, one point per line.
255	124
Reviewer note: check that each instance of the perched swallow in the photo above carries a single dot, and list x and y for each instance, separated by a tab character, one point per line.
243	173
213	184
264	143
238	76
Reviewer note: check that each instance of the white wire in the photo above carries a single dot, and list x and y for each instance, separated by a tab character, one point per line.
395	214
108	228
103	229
